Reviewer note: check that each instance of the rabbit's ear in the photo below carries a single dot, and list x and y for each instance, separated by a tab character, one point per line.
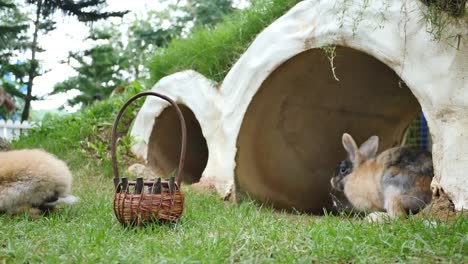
350	146
369	148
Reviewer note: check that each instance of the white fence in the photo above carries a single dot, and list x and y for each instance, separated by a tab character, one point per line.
10	130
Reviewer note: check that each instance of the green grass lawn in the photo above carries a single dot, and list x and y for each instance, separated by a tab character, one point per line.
210	231
215	231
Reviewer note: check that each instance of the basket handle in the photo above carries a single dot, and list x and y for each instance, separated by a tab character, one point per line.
114	135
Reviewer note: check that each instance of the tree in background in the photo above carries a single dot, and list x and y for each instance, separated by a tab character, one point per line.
85	10
155	30
145	35
111	63
100	69
206	12
116	62
14	82
12	26
148	34
13	39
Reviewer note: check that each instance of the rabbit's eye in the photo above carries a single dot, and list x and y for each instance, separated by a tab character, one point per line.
345	170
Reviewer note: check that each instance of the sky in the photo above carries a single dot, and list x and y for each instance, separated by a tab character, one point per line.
69	36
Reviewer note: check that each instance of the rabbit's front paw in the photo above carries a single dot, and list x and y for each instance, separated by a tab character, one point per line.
377	217
436	188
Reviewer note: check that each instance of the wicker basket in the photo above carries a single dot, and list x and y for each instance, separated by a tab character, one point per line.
141	202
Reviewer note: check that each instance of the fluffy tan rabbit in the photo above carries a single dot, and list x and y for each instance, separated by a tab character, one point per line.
33	181
396	181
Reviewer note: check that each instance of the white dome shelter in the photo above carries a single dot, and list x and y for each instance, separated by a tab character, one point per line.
273	128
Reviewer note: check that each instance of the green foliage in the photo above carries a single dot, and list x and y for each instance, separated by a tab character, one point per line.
85	134
12	27
211	12
455	8
204	12
150	33
111	63
212	51
42	23
106	66
99	71
84	10
146	35
20	73
16	98
440	14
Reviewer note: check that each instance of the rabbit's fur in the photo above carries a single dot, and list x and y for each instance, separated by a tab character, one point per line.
396	181
33	181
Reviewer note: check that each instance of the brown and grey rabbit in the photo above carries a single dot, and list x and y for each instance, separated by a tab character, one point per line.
397	181
33	181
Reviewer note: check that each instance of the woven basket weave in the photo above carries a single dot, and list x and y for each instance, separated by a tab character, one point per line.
140	202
